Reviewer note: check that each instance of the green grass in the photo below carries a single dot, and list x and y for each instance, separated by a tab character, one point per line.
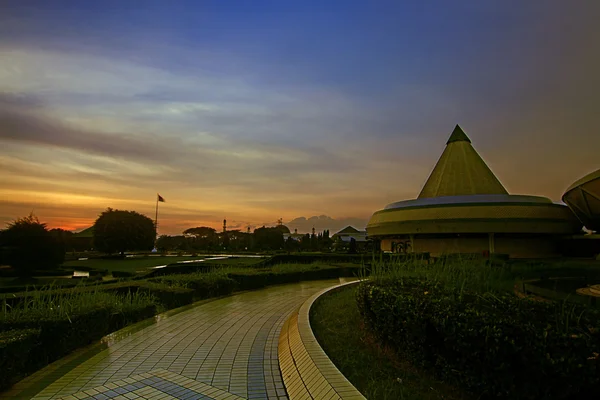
376	372
184	280
236	261
136	264
48	304
478	276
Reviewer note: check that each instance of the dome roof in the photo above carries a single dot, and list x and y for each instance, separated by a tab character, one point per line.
461	171
283	228
583	197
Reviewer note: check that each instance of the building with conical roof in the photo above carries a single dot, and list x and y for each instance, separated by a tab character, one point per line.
460	171
464	208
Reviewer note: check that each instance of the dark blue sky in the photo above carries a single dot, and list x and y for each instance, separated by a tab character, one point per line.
292	97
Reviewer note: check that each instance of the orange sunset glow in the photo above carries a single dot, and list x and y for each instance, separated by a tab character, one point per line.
256	115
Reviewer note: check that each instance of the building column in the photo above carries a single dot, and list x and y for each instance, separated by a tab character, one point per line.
412	243
491	243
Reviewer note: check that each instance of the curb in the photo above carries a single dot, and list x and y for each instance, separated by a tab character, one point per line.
306	370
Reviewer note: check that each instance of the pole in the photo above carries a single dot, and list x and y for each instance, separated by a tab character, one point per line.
156	222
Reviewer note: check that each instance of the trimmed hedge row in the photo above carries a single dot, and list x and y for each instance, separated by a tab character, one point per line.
15	347
31	343
496	346
312	258
208	285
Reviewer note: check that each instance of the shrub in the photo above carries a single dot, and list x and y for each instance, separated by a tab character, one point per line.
202	285
493	345
64	322
169	297
122	274
15	347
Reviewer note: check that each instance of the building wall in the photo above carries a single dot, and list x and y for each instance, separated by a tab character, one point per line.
515	246
527	247
439	246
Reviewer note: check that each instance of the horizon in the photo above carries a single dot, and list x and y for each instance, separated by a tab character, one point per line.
255	113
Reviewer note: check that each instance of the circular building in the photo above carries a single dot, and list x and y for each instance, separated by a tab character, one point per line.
463	208
583	197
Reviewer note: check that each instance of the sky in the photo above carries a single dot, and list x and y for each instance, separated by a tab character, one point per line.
260	110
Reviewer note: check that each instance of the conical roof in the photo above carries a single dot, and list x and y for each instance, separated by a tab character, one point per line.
461	171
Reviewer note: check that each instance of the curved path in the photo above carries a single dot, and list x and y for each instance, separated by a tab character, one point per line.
218	349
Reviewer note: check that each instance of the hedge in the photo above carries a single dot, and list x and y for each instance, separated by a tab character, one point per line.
495	346
29	343
15	347
220	284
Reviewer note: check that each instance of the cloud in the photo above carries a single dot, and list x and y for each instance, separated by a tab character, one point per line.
38	129
266	121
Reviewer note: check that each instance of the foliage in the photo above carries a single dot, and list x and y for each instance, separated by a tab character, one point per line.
303	258
268	238
495	345
128	264
15	347
173	243
203	285
27	245
63	239
65	321
51	303
221	281
201	232
120	231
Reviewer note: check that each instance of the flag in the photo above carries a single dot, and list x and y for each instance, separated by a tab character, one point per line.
160	198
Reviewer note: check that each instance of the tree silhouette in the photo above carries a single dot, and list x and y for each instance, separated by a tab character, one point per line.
121	231
27	245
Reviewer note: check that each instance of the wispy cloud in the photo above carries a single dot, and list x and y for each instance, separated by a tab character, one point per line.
247	115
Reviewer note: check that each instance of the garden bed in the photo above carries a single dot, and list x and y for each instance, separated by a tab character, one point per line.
492	345
375	370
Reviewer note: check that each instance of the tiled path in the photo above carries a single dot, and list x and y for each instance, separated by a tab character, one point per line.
221	349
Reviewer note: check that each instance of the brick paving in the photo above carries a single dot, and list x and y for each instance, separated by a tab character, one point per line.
221	349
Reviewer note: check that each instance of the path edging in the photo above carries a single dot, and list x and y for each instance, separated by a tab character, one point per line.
306	370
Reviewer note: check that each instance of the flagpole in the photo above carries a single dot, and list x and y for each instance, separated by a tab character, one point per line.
156	216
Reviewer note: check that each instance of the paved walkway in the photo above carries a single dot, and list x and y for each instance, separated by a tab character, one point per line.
220	349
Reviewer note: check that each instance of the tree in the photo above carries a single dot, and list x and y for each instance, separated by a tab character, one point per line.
27	245
63	238
292	244
205	238
268	239
121	231
352	248
171	243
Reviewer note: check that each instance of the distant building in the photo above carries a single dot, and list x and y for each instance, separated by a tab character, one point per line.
349	233
296	236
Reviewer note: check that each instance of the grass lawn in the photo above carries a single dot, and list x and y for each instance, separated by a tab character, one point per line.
374	371
142	263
